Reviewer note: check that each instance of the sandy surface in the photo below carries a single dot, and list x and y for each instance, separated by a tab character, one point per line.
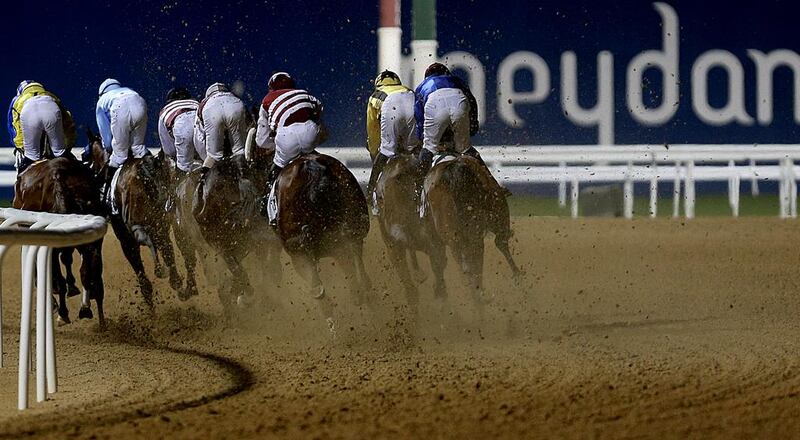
643	328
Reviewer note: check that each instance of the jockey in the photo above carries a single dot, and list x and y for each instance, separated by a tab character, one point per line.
122	119
390	121
176	129
444	102
221	117
35	114
290	121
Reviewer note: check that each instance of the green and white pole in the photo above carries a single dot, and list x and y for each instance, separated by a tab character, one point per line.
424	45
390	56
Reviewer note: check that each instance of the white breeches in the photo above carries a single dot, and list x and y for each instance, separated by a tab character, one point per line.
446	109
128	128
41	117
397	122
224	117
294	140
181	145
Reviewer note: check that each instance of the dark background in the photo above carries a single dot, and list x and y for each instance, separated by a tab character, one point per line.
330	46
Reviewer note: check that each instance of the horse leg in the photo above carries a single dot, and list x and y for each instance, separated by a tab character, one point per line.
60	289
306	266
190	263
164	245
92	279
66	259
438	260
419	275
471	257
130	247
144	239
397	254
501	241
365	284
241	286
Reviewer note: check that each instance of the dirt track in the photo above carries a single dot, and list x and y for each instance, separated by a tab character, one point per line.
621	329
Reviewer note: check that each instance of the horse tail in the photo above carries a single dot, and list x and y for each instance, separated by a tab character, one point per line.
60	199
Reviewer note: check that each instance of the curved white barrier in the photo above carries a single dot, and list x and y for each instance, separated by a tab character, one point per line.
39	233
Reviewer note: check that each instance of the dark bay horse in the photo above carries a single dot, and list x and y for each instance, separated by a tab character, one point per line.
141	197
65	186
322	212
224	207
464	202
403	231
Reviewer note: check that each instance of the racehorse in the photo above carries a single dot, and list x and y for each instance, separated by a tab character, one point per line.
402	229
322	212
65	186
224	207
464	202
141	216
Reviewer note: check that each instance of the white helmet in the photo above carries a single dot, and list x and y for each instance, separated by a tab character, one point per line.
216	87
110	83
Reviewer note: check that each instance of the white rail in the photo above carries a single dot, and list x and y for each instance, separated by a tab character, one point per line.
574	165
681	165
39	233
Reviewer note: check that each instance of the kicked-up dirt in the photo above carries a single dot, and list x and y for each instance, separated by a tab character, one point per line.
619	329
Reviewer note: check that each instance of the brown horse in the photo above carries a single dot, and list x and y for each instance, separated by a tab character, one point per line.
322	212
225	210
464	202
141	197
403	231
65	186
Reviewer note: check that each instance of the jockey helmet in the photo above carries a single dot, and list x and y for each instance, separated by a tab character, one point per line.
387	77
216	87
177	93
436	69
24	85
280	81
107	85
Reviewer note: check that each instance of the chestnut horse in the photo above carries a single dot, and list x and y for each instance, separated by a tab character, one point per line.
403	231
65	186
464	202
322	212
141	196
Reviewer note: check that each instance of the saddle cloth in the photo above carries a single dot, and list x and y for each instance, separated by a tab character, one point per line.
112	196
272	204
423	199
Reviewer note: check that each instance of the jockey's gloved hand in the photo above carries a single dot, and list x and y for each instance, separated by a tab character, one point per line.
274	171
425	161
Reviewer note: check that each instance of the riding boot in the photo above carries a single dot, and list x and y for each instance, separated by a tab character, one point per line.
472	152
109	176
67	154
23	163
272	176
377	169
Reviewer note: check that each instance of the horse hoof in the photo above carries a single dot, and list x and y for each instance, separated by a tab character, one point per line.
73	291
160	272
318	292
331	326
85	313
187	293
175	282
62	321
420	276
244	301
